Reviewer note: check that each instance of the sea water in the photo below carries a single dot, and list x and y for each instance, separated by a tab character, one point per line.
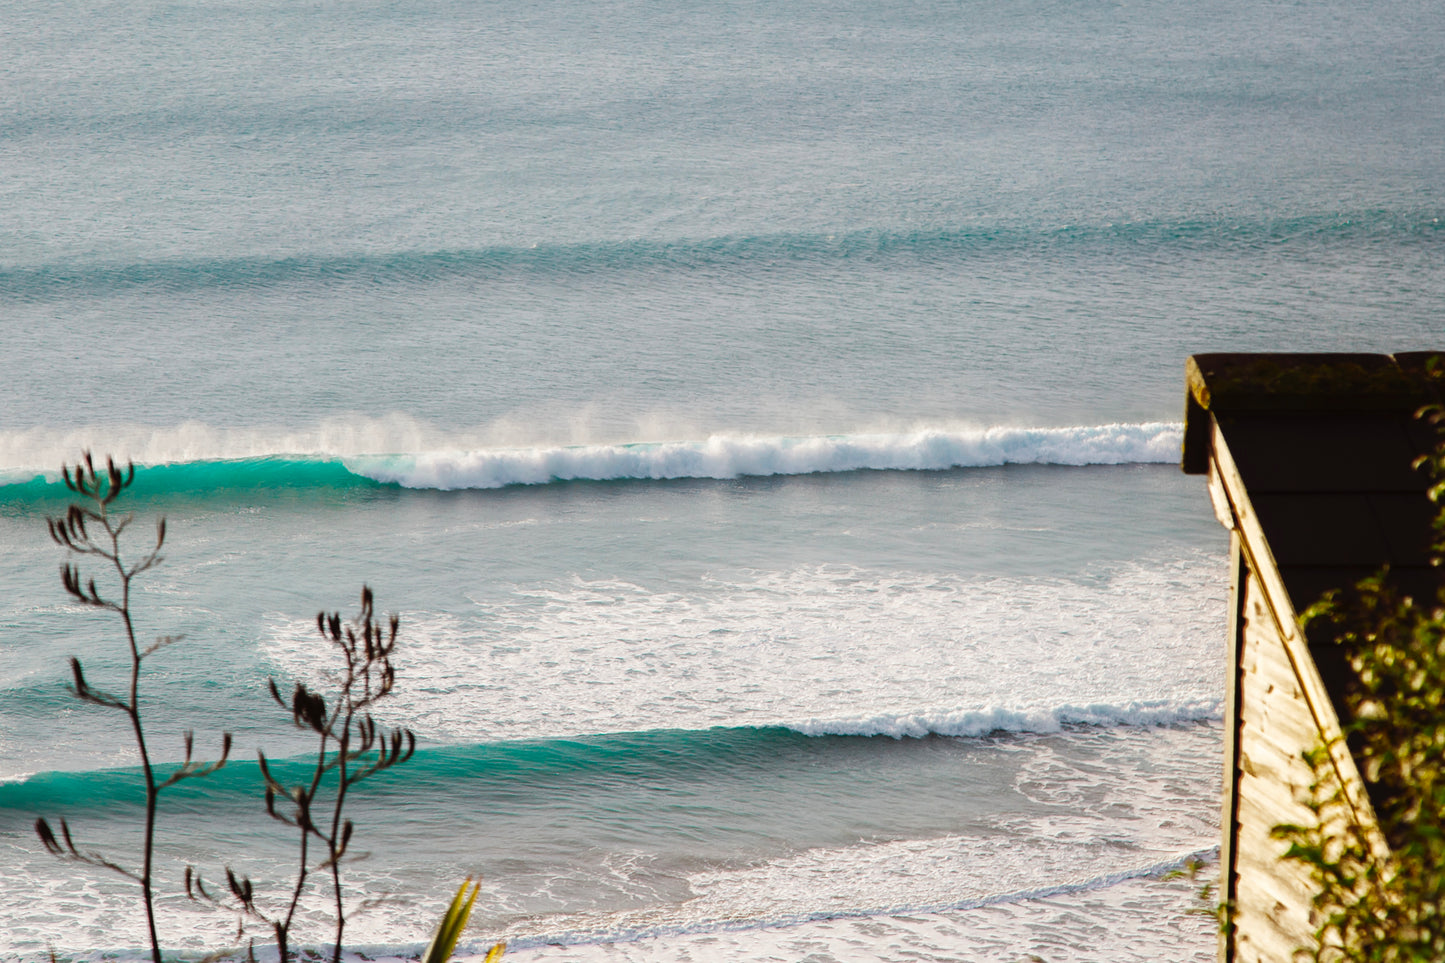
763	417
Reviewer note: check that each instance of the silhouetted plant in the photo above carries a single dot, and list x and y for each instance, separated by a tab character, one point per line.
350	748
92	528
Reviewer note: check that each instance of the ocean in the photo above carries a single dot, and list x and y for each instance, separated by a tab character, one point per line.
764	419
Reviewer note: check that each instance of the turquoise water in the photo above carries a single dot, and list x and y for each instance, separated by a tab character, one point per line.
763	418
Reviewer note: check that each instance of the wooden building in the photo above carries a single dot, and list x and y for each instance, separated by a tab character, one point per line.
1308	458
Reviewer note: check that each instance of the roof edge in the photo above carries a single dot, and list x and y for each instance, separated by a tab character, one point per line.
1302	382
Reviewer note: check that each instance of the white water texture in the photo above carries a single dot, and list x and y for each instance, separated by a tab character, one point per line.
732	456
821	650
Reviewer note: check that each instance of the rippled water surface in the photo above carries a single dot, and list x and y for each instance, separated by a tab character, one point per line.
762	416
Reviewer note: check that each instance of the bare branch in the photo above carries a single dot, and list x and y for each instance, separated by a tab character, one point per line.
242	889
86	594
97	491
83	691
160	643
68	849
193	770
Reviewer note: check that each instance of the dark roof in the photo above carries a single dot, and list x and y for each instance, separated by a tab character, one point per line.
1324	445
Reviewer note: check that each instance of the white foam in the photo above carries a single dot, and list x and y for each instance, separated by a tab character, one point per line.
1101	808
1137	919
735	455
45	449
1135	915
826	649
403	449
1122	805
979	722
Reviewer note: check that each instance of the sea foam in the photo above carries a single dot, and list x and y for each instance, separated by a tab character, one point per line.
981	722
195	457
732	456
831	650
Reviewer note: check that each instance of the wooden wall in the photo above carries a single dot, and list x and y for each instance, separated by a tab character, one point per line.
1273	726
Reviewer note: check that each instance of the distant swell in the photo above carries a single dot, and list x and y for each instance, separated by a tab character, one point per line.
733	456
46	282
720	456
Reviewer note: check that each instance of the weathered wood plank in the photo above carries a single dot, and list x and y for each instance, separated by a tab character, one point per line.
1274	902
1263	867
1264	804
1290	735
1274	914
1260	938
1272	670
1219	499
1270	704
1273	783
1280	608
1268	665
1268	671
1271	720
1276	724
1293	890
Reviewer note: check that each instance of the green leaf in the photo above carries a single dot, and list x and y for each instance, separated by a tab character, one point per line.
453	921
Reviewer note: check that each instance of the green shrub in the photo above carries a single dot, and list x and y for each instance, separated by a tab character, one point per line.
1371	907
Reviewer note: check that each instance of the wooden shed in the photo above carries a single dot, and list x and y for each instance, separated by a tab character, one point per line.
1308	458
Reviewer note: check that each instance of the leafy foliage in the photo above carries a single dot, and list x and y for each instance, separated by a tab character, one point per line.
1372	907
453	921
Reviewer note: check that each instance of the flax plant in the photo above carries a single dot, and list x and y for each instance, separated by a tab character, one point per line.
454	920
93	528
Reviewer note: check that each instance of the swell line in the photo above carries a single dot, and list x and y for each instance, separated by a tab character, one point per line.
45	282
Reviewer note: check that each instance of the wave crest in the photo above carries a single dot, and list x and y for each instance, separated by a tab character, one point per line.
733	456
196	458
981	722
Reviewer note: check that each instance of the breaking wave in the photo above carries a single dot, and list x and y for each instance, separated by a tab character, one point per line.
733	456
980	722
720	456
652	754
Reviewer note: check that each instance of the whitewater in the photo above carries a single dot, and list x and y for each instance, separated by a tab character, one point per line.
168	460
682	744
763	419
